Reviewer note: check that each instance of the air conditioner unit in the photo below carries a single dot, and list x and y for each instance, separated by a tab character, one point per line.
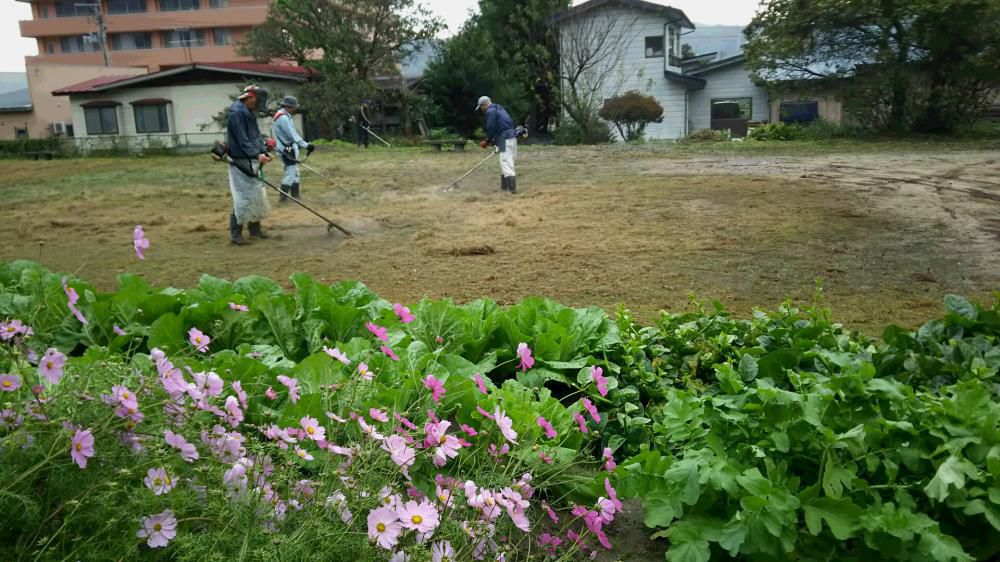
58	128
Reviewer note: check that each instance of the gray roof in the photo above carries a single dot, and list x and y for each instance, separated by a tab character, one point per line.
726	40
672	14
12	81
15	102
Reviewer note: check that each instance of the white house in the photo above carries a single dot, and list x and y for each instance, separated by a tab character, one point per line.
609	47
172	108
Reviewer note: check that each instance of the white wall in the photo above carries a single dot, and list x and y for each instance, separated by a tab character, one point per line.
733	81
191	107
633	70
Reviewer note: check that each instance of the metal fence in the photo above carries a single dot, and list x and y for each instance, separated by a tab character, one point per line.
181	142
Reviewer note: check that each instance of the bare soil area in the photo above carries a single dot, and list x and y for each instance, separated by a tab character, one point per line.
887	232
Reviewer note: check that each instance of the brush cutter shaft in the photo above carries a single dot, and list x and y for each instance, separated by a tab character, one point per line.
469	173
380	139
329	223
328	180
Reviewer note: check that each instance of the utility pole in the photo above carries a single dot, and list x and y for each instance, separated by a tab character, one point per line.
102	32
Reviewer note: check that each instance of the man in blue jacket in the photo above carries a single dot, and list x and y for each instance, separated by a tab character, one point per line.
500	132
246	148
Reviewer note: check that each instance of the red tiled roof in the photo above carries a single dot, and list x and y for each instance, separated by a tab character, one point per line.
252	67
89	85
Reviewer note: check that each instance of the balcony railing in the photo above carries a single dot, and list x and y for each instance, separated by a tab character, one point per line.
237	16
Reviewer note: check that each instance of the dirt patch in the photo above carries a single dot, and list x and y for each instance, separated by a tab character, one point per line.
888	235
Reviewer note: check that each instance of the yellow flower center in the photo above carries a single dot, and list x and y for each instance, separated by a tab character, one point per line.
443	497
157	527
490	502
157	481
125	395
130	424
7	384
311	430
443	439
387	500
11	329
79	446
380	527
131	410
197	340
49	365
417	519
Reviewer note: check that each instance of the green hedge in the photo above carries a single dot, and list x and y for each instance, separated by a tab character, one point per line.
17	148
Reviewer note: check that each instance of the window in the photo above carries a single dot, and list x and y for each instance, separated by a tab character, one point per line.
799	112
80	44
71	8
126	6
178	5
131	41
20	133
654	46
101	120
732	108
44	11
50	47
184	38
221	36
218	3
151	118
672	42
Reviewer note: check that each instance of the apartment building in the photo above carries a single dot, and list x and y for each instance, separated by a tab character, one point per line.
149	33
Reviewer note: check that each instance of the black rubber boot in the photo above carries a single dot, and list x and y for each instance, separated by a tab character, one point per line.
285	190
256	231
236	231
512	184
295	191
503	183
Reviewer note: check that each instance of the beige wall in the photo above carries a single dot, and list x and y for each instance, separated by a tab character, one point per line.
830	109
8	122
191	107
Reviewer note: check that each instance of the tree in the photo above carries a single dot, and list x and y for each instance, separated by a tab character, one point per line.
925	65
349	42
592	49
526	49
631	113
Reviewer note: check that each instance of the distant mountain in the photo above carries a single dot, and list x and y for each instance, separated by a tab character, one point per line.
727	40
11	81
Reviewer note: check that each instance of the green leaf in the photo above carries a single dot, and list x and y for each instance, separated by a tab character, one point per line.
658	508
781	442
167	333
748	367
841	515
537	377
733	535
755	483
943	548
694	551
958	305
952	472
774	364
887	387
979	507
837	477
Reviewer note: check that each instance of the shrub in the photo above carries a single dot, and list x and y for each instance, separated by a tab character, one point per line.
570	133
18	147
631	113
707	135
776	132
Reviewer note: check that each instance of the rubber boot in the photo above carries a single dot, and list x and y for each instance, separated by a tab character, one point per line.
236	231
512	184
503	183
285	190
256	231
295	191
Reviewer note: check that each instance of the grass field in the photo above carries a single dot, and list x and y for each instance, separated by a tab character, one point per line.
888	228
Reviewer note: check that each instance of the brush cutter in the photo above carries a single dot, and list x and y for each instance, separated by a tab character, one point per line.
290	155
380	139
220	153
469	173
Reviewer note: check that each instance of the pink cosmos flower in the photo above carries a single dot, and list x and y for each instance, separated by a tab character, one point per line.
550	431
335	417
118	331
470	431
436	387
12	329
445	446
9	383
551	513
609	460
384	527
158	481
303	454
591	409
524	353
239	307
600	380
403	313
72	299
313	429
51	365
366	375
402	454
292	385
484	413
234	416
370	430
238	389
549	544
480	383
545	458
400	556
82	447
612	494
498	453
122	396
378	331
506	425
199	340
337	354
388	351
270	394
159	529
406	423
442	551
421	517
581	422
139	241
188	452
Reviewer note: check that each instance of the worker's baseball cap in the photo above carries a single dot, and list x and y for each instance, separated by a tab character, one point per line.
483	100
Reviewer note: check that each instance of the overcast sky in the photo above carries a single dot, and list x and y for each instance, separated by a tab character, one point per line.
13	47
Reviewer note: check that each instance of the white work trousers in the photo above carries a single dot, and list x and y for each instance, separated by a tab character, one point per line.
507	158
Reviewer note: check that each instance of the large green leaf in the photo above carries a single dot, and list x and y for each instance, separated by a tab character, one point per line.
951	473
840	514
